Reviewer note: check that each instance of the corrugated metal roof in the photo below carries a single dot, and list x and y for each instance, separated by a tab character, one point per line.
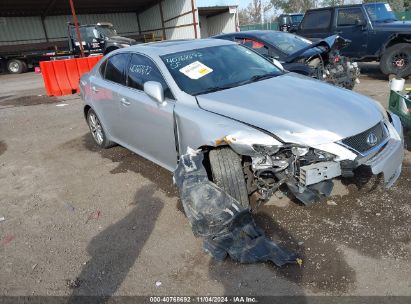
210	11
62	7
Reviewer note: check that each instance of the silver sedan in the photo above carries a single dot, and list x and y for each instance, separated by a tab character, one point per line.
261	128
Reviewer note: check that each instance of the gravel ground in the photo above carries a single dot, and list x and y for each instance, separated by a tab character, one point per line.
83	221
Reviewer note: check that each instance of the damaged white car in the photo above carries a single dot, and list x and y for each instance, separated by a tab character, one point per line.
260	127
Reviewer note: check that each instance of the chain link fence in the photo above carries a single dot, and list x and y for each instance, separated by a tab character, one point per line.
403	15
265	26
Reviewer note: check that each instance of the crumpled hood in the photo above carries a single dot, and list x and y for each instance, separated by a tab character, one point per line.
332	42
297	109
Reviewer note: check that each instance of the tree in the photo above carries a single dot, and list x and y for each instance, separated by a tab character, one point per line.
252	13
244	17
293	6
396	5
326	3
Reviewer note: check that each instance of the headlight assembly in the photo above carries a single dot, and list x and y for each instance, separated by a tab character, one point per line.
266	149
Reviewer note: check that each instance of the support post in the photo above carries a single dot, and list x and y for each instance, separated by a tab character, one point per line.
138	23
73	12
44	28
194	18
162	20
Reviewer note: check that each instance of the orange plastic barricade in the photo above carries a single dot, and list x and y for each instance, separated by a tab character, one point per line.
72	74
92	60
61	77
49	78
82	65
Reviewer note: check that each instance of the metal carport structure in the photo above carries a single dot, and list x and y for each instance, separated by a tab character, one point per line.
44	21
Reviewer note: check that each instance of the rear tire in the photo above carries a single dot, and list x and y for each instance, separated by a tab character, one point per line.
397	60
15	66
227	173
97	130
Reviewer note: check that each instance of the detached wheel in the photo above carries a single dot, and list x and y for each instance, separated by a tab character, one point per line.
15	66
397	60
227	173
97	130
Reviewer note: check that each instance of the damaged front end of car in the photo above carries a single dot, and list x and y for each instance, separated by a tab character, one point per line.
325	62
226	226
308	171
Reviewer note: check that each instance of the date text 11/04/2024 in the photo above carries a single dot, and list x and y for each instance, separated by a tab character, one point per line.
205	299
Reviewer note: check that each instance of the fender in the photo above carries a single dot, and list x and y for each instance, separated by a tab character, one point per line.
187	119
394	39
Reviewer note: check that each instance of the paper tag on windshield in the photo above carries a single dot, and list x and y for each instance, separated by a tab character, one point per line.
388	7
196	70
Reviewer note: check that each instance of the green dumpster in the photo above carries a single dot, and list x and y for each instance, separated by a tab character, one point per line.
401	105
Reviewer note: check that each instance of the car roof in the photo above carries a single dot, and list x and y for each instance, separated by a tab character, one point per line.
252	33
173	46
292	14
340	6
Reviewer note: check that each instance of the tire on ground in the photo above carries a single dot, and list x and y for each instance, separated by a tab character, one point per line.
227	173
106	143
386	65
21	66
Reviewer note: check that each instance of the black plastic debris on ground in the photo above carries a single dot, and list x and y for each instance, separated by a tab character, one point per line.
226	226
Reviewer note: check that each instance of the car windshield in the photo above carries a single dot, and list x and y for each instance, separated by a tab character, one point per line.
107	31
296	18
285	19
285	42
217	68
380	12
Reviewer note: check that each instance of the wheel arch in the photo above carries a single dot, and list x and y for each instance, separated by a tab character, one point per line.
395	39
85	110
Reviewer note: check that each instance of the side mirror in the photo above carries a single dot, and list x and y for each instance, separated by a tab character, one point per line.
359	22
155	90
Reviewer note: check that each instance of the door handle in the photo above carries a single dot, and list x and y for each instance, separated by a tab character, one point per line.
125	102
338	32
95	90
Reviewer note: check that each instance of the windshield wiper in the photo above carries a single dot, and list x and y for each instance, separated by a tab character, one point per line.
258	77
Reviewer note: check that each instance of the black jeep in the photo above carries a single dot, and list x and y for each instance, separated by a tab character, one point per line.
375	33
289	22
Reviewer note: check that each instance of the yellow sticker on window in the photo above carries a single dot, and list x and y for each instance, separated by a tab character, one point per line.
196	70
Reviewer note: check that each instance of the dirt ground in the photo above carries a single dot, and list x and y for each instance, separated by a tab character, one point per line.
83	221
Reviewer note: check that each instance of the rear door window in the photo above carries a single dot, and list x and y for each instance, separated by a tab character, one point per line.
142	69
349	16
317	20
115	68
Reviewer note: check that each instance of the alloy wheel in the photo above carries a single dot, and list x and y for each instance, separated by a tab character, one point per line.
400	61
14	67
95	128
